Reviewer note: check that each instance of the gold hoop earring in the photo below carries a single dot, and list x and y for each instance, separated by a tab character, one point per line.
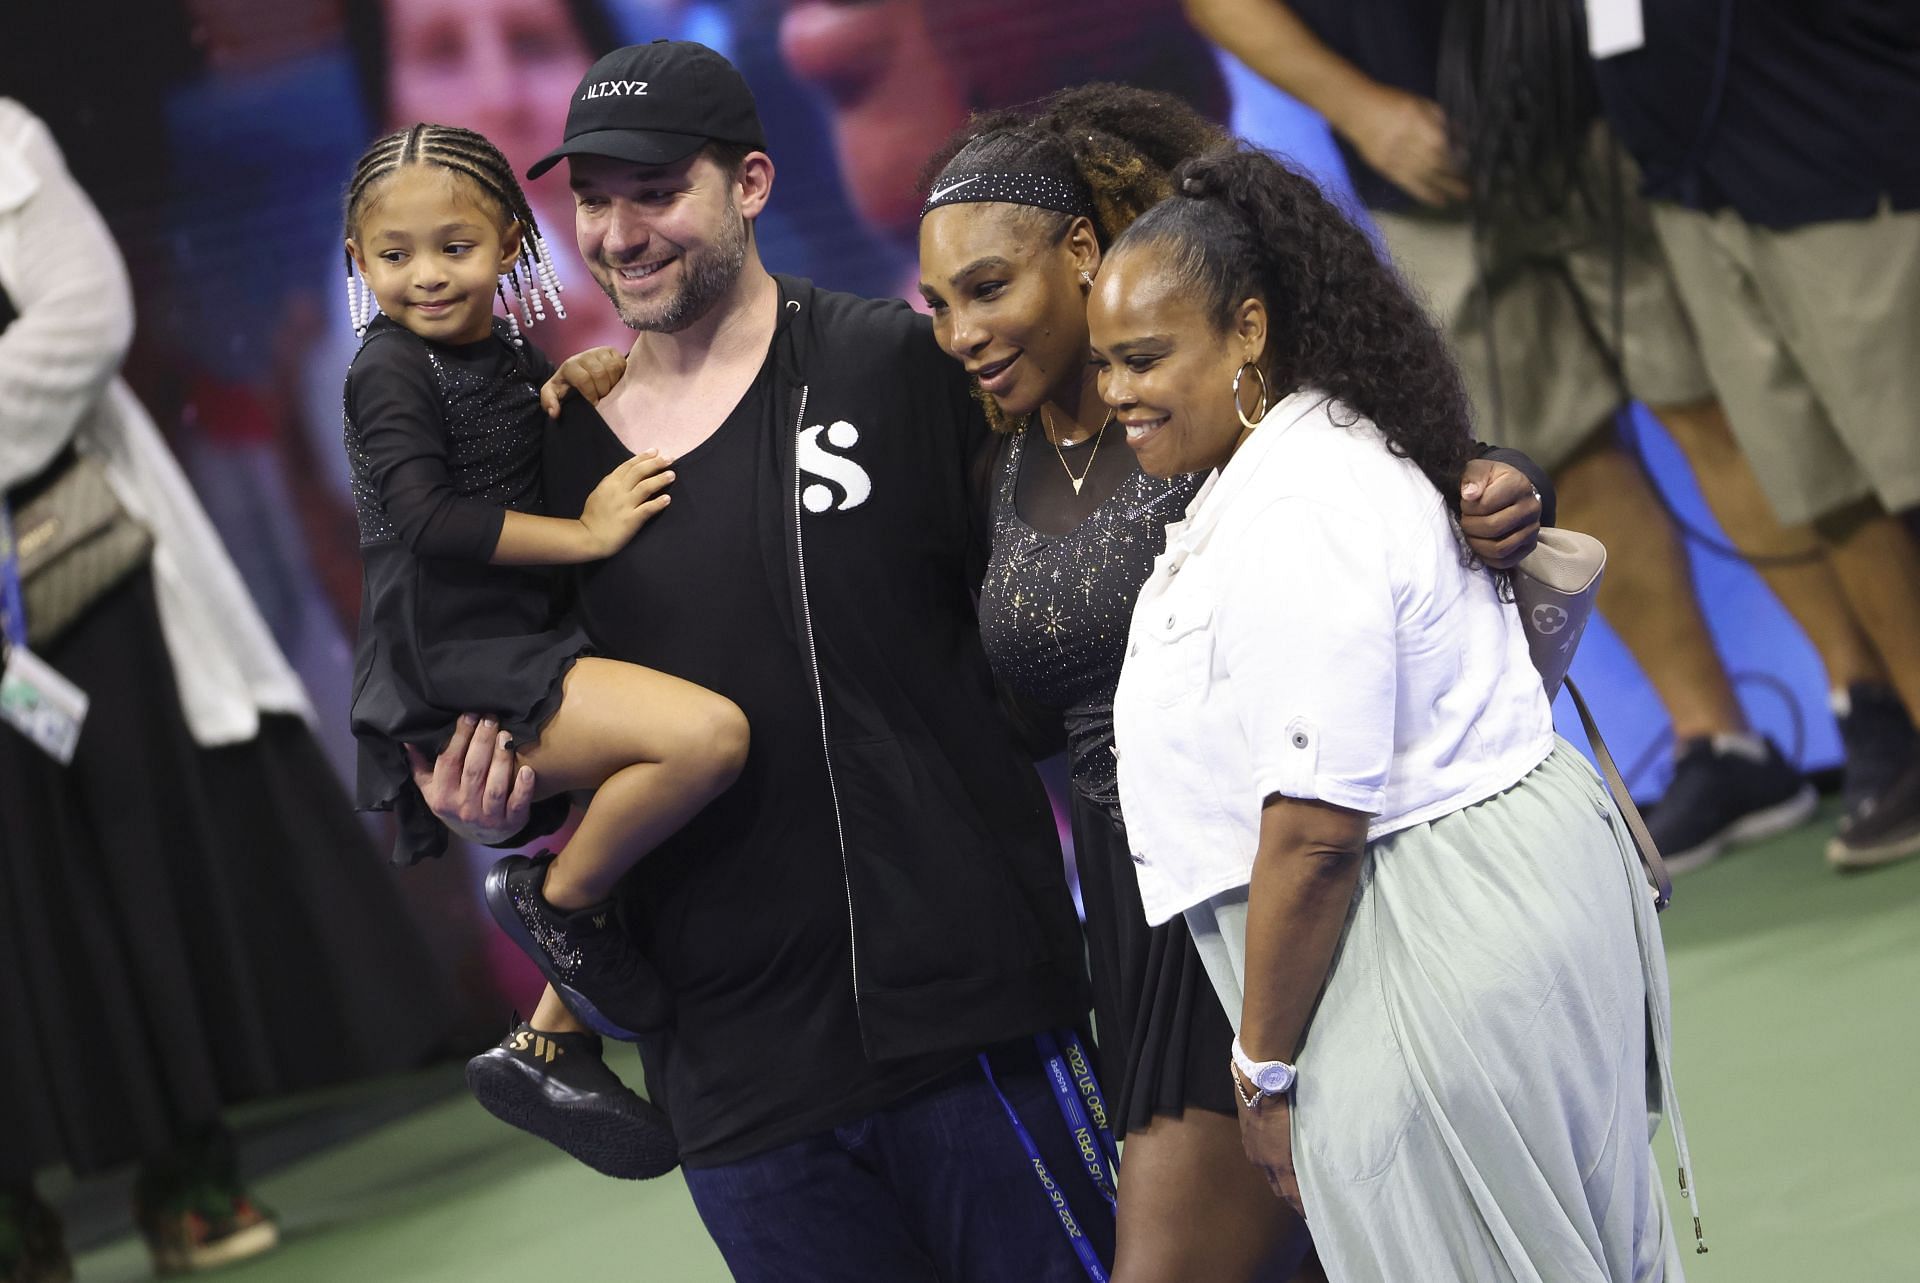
1261	412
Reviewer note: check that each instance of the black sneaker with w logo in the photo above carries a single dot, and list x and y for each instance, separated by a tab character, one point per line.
558	1087
585	954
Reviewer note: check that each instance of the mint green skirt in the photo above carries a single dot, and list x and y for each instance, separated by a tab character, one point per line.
1488	1063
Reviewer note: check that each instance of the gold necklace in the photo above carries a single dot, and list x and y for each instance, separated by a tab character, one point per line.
1046	426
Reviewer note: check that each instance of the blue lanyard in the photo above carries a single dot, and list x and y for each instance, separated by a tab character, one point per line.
13	604
1072	1081
1082	1066
1078	1095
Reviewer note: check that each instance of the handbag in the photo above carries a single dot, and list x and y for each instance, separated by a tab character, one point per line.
1555	587
76	543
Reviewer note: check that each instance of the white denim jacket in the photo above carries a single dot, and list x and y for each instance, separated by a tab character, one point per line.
1313	630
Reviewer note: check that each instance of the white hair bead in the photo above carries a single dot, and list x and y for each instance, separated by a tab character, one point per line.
360	302
513	326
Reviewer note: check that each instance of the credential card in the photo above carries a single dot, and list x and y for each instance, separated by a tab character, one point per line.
41	704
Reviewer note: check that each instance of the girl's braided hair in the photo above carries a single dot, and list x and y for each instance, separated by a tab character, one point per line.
1242	225
478	162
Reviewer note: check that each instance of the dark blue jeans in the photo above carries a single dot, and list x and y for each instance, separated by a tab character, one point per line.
935	1188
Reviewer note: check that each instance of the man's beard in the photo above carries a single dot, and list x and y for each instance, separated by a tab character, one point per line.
705	278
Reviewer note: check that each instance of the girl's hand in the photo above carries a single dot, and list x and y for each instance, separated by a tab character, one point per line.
591	373
625	500
1266	1133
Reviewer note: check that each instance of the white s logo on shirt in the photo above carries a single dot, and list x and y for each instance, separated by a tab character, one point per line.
815	460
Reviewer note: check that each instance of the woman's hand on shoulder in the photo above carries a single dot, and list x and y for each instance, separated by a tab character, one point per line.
626	499
591	373
1499	512
475	786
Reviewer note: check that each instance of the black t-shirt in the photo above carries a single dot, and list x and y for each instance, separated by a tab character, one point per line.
1786	111
745	910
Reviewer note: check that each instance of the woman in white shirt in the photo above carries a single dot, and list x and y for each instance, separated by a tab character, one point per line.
1337	761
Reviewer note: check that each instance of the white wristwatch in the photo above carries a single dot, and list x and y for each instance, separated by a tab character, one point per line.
1269	1077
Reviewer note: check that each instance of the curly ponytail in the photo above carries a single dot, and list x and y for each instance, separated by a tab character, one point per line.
1242	225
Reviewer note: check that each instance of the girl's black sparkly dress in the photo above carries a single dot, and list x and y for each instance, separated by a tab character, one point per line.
443	439
1054	613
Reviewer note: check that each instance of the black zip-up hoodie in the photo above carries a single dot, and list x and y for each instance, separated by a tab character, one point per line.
962	929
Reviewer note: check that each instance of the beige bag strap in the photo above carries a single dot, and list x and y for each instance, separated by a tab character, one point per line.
1657	874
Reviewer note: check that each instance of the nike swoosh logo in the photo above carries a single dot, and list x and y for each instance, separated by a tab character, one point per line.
950	188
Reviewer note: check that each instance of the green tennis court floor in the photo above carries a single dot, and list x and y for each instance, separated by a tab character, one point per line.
1797	1033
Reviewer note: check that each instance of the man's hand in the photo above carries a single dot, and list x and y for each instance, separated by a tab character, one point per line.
1499	512
473	785
1404	136
625	500
591	373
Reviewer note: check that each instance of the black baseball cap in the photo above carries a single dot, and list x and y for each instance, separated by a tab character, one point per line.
657	103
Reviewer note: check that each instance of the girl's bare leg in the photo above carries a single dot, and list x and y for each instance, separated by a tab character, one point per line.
654	748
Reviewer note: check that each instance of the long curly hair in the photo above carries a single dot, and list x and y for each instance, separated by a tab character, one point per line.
1242	225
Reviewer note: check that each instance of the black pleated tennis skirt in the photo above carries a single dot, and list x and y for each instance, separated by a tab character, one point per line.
1163	1038
181	928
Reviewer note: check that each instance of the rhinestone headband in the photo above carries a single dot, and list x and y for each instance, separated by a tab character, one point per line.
1041	191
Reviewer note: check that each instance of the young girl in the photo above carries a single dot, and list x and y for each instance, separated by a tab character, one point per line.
443	432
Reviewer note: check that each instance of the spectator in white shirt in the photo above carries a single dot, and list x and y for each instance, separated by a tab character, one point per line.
1338	763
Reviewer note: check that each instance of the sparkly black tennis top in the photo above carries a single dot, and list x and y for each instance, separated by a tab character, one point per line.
1062	578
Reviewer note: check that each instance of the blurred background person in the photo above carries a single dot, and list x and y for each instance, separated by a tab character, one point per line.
897	77
1780	144
189	915
1515	234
